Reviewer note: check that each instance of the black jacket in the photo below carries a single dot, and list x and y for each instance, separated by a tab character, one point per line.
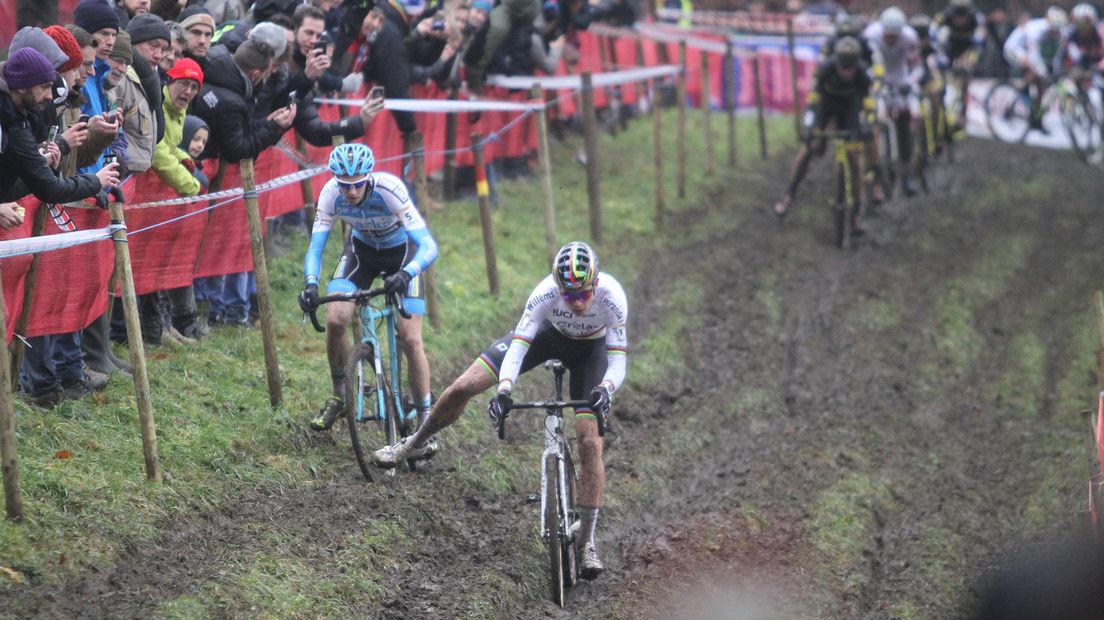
226	104
274	93
388	65
23	170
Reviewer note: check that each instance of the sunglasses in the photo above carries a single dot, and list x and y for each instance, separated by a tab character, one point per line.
342	185
577	296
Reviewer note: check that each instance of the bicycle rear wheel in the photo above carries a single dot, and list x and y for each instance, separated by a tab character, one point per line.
555	527
1008	113
367	423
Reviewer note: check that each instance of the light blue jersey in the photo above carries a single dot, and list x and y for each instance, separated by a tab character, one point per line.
385	218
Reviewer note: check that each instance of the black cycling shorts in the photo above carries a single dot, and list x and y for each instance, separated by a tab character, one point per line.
585	359
360	264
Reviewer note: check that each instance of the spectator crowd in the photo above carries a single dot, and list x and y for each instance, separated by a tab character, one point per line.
161	86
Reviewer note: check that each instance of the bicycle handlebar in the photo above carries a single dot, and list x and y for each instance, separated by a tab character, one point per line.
357	296
550	404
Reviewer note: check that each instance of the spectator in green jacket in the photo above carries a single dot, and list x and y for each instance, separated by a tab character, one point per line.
172	164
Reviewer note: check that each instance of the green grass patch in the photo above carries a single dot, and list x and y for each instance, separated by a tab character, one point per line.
843	522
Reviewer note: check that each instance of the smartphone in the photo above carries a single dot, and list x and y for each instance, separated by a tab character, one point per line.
84	118
323	41
438	25
376	93
53	134
293	98
110	159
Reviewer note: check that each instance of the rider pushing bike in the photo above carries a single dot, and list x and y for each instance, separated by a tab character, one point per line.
389	237
576	315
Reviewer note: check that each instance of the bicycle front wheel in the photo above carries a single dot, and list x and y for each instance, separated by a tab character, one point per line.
843	209
368	423
1083	128
555	526
1008	112
570	561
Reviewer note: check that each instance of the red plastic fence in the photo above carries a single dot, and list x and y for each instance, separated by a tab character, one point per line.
71	285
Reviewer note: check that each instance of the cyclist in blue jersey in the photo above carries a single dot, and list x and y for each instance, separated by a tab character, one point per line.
389	237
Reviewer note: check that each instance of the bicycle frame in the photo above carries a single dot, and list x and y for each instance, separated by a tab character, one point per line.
370	316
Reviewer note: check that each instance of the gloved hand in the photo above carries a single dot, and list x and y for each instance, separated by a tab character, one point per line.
204	182
308	299
117	194
397	283
499	407
189	164
101	200
600	401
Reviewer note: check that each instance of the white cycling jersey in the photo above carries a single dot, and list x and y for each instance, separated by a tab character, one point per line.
1034	44
605	318
901	59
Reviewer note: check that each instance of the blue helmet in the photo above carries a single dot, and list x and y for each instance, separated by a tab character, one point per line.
352	160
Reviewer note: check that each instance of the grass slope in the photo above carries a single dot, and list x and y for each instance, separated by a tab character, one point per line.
84	492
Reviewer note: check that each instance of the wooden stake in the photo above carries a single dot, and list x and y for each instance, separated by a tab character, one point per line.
545	159
1098	303
416	145
730	101
681	133
137	350
706	104
657	140
483	195
307	186
759	106
264	294
37	227
590	147
449	189
793	78
9	450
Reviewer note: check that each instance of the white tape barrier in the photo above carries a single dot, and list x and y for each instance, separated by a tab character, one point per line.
50	243
575	82
229	193
444	105
664	36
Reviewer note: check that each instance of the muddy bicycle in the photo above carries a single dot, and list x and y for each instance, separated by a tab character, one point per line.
373	391
559	523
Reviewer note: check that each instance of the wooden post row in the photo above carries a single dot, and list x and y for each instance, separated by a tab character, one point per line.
1098	306
416	145
793	78
730	101
590	145
9	452
307	187
137	351
264	294
37	228
483	196
706	105
681	131
760	114
545	158
657	141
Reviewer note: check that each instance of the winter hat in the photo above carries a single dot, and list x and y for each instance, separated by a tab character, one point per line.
26	68
81	35
186	69
69	46
486	5
122	50
35	38
196	15
272	34
192	124
147	27
95	15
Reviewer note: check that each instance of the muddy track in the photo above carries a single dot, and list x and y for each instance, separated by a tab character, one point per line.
854	435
